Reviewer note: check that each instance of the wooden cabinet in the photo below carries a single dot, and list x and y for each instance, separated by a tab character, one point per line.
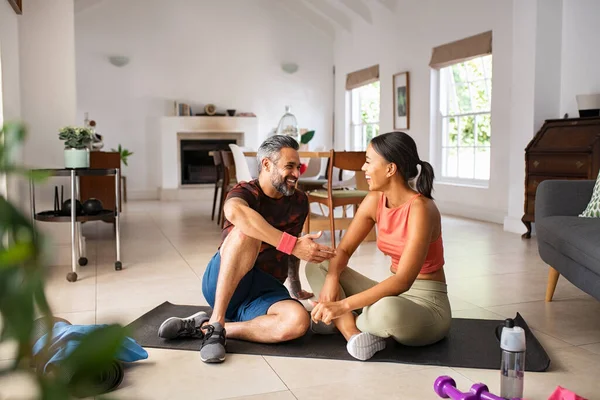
562	149
101	187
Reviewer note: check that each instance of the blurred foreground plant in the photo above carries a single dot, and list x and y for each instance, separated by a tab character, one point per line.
23	300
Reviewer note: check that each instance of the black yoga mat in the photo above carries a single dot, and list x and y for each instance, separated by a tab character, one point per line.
471	343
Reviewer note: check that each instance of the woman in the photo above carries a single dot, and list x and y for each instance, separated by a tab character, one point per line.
412	304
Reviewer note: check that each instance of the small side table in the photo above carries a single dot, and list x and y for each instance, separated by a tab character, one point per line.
77	246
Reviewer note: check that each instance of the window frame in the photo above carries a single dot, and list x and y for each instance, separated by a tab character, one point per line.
351	104
438	133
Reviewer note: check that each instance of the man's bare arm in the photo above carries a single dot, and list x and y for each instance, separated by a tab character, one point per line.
250	222
294	278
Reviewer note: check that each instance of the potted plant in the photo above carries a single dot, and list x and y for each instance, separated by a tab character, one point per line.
23	301
77	146
124	153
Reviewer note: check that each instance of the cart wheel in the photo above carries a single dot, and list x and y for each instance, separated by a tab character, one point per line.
118	266
83	261
72	276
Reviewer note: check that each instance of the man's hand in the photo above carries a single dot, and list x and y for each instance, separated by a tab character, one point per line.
306	249
330	290
328	311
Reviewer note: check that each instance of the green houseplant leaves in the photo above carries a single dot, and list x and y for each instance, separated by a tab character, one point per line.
22	295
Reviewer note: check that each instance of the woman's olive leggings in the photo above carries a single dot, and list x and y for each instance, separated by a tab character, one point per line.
418	317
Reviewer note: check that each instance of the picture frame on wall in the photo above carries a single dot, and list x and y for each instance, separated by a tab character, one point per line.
401	86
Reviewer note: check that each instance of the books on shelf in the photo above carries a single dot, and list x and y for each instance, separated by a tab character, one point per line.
182	110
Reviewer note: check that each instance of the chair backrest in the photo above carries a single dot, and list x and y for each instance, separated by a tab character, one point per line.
217	157
251	161
313	169
349	161
229	164
218	161
242	171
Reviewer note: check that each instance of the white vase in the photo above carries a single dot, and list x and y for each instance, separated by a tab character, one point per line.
77	158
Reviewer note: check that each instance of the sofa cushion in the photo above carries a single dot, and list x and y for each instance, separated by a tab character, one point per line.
576	238
593	208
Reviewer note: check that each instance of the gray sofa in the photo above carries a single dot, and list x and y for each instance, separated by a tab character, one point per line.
568	243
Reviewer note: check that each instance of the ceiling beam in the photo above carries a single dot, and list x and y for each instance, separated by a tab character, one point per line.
360	9
336	16
300	10
390	4
82	5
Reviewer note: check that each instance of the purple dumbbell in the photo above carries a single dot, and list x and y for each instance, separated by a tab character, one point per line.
445	387
482	392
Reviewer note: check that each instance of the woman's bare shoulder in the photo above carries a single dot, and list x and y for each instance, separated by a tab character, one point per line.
426	205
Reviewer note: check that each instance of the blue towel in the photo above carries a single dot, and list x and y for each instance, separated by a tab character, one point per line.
66	338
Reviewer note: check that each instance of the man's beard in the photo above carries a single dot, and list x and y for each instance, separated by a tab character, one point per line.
280	184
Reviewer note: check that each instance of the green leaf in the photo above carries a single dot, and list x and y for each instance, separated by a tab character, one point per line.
307	137
19	253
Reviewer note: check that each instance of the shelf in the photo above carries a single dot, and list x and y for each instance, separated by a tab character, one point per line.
80	171
50	216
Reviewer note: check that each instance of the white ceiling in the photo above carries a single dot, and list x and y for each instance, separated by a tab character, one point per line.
328	16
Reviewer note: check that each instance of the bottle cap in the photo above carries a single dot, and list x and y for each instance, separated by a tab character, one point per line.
513	338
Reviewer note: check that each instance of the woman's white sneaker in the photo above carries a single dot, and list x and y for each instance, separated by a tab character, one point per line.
363	345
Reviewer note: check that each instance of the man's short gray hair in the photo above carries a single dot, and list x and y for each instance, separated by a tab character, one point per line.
271	148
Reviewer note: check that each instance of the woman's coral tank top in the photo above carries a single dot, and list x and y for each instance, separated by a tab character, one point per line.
392	233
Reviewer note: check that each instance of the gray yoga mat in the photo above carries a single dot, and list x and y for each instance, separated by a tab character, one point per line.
471	343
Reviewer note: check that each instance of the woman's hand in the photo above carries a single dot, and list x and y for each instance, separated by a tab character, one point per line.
330	290
328	311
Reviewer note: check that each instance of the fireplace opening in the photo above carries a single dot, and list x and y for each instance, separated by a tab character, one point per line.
197	166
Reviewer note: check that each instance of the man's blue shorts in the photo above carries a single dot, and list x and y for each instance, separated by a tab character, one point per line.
256	292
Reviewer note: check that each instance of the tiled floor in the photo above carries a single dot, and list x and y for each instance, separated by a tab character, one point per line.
165	247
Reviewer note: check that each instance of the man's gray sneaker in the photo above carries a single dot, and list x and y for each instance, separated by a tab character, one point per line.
175	327
212	349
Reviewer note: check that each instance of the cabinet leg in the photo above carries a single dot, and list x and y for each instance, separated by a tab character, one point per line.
527	235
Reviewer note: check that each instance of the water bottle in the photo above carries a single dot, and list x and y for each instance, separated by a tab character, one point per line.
512	369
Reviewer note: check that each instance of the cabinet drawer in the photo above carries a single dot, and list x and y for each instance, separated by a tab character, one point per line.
559	164
534	180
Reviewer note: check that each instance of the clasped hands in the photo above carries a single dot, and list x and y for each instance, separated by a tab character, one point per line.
328	308
306	249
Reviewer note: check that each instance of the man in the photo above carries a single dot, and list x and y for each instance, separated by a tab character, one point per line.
243	282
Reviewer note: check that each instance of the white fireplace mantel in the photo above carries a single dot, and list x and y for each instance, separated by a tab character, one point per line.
173	129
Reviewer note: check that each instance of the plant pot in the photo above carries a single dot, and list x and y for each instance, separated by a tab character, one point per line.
77	158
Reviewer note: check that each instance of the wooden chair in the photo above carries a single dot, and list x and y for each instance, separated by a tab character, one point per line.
229	181
218	161
332	198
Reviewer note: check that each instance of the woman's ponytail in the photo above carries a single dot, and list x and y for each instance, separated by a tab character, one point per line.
425	179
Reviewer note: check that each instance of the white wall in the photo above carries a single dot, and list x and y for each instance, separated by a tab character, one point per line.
227	53
580	58
10	97
47	77
9	57
402	41
537	51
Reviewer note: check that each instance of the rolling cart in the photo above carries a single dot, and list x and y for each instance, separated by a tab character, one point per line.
78	255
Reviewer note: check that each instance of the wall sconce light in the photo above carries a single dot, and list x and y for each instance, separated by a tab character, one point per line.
118	61
290	68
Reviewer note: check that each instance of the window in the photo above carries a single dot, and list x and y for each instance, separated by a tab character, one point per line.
464	124
364	115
